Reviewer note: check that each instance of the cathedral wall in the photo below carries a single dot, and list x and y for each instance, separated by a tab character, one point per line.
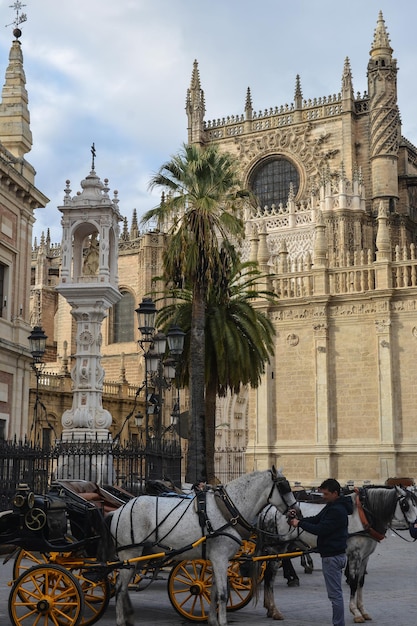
404	347
353	379
112	363
294	385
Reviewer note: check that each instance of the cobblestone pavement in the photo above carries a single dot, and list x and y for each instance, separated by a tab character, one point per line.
390	594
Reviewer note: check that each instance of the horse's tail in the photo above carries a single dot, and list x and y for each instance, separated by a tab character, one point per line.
106	549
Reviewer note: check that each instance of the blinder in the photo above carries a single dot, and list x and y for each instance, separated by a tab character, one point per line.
284	489
283	486
404	505
405	508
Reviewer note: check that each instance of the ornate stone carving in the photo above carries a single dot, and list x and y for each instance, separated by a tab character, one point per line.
382	326
293	340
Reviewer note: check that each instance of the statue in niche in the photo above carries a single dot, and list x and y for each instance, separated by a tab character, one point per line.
91	259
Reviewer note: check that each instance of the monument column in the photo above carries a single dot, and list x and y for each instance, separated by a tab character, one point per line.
89	283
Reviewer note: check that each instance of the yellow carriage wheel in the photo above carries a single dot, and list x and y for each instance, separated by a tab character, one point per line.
189	584
44	595
240	588
96	588
240	585
25	559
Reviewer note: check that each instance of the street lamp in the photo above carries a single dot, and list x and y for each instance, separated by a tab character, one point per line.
37	344
37	347
160	366
146	313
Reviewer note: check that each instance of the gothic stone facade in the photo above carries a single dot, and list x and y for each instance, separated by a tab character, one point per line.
335	228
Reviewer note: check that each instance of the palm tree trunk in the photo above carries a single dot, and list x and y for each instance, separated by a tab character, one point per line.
211	396
196	458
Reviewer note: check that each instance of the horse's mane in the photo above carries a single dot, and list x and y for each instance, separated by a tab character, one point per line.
381	503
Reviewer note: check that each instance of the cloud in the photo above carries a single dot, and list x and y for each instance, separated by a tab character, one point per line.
117	73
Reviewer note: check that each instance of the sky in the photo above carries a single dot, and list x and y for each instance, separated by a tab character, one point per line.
116	74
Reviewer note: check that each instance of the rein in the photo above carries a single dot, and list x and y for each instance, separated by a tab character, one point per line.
231	513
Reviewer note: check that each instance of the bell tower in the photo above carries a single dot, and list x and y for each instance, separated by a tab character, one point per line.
384	125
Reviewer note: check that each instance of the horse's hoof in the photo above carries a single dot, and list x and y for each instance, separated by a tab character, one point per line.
308	570
278	616
359	620
293	583
367	617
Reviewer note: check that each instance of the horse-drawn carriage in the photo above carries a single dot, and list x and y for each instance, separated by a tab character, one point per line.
61	573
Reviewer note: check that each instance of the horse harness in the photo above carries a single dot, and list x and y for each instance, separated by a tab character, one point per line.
361	505
232	514
226	507
365	515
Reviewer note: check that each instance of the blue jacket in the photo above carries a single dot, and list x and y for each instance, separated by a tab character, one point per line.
330	526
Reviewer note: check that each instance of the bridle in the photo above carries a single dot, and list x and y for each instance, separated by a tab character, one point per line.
232	513
284	490
403	501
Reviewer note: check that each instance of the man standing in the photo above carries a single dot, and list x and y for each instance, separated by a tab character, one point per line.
331	528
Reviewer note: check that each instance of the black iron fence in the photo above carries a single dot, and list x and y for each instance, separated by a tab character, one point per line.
127	465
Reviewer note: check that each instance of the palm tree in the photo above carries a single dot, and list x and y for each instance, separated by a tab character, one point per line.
203	206
238	336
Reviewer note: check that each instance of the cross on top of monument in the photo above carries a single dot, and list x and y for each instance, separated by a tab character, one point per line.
93	155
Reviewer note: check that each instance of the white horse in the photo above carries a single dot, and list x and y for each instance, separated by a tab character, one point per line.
382	508
150	525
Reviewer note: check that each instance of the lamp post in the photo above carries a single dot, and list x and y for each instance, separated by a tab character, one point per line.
160	369
37	347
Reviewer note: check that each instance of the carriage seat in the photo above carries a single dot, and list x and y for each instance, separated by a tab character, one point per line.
91	492
402	482
302	495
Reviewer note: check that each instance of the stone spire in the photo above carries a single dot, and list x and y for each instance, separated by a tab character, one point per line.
385	125
125	231
347	86
381	42
248	105
195	108
134	229
15	132
298	95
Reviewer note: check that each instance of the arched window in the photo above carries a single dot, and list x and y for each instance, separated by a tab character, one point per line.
123	319
270	181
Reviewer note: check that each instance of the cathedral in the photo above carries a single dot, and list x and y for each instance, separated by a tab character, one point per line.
335	231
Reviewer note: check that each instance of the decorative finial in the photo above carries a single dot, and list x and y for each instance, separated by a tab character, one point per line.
19	19
93	156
